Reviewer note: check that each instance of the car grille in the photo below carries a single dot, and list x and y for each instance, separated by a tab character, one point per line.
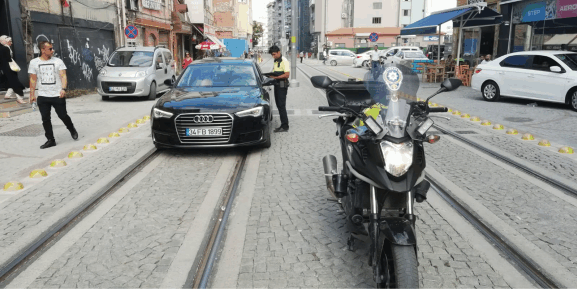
106	84
184	121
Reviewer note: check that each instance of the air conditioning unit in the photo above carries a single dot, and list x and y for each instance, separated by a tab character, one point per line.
132	5
344	15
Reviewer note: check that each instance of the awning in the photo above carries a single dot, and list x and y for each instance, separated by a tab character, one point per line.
561	39
216	40
475	15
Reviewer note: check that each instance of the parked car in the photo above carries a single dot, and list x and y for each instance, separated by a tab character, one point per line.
362	59
216	102
340	57
433	51
136	71
537	75
394	50
402	57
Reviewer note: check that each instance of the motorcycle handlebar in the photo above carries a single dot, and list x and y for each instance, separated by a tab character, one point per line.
329	108
438	109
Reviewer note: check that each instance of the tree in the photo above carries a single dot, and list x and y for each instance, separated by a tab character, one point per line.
256	32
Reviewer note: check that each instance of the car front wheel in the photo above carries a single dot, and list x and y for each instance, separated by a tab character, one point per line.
333	62
573	100
490	91
152	93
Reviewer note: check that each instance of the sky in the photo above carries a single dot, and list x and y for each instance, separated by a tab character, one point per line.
259	8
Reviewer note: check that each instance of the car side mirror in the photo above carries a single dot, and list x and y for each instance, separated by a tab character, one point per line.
555	69
451	84
168	82
321	81
268	82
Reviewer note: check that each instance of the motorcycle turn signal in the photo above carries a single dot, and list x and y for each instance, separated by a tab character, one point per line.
433	139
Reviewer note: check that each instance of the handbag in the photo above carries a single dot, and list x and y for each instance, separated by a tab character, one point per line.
14	66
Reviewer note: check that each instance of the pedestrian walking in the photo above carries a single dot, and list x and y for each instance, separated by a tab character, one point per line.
9	71
280	64
48	82
375	57
487	59
302	55
324	57
187	61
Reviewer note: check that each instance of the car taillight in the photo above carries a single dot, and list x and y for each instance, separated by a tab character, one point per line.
477	71
358	57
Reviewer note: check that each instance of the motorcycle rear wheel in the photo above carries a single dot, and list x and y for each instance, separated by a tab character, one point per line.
403	268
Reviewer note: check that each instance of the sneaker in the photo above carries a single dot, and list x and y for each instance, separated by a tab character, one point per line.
281	129
74	134
49	143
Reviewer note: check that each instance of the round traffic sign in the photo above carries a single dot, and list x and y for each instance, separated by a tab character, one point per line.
374	37
131	31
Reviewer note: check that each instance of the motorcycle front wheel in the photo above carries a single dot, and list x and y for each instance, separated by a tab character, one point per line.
403	269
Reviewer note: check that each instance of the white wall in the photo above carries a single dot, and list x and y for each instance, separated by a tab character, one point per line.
364	13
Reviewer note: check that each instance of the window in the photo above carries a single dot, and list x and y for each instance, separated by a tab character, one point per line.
376	20
339	45
543	63
406	12
517	61
334	53
131	59
569	59
219	75
159	60
167	56
377	5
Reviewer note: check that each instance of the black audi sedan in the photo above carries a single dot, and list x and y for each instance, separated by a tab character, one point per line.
216	102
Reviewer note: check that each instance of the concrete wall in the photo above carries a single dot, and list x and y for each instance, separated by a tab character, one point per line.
364	13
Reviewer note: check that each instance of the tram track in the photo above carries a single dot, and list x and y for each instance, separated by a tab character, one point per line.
530	267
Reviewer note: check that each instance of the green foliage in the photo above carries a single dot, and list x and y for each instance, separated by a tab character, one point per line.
256	32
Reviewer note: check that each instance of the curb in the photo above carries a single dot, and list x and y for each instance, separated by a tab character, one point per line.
32	239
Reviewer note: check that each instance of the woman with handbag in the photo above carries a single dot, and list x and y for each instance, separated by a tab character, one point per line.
10	70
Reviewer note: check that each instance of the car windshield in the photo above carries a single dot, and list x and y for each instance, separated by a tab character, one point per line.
569	59
414	55
218	75
131	59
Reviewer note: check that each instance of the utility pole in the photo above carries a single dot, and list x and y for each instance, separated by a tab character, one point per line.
294	25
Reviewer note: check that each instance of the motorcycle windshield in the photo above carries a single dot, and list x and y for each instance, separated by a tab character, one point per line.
394	87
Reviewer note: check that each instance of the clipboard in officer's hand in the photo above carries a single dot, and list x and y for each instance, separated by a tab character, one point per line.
275	73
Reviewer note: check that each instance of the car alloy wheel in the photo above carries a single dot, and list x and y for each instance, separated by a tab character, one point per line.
333	62
490	91
365	63
574	101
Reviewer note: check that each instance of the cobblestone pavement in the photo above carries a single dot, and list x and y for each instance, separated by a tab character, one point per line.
297	238
134	244
92	117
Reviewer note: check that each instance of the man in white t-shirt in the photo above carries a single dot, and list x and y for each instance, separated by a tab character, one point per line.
48	84
375	59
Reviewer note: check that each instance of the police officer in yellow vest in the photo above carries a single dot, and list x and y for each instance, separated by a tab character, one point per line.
280	64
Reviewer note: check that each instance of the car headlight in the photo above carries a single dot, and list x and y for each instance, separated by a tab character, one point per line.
398	157
254	112
103	72
157	113
141	74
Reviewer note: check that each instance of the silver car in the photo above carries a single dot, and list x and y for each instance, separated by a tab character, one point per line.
136	71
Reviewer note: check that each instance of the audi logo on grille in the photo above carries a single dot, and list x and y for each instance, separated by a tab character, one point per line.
204	118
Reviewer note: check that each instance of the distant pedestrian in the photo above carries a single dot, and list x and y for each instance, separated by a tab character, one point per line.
187	60
9	71
302	55
324	57
245	54
48	78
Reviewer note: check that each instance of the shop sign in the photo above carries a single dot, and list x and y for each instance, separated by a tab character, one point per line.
152	4
566	8
534	12
431	38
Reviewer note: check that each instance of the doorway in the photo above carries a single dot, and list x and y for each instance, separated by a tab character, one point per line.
487	40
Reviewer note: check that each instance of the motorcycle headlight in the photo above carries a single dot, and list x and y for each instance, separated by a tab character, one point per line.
141	73
103	72
398	157
157	113
254	112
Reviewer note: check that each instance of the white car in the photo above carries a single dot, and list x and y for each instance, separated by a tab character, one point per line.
537	75
341	56
394	50
363	59
403	56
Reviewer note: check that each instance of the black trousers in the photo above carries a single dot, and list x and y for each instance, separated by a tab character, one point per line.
301	60
280	100
45	104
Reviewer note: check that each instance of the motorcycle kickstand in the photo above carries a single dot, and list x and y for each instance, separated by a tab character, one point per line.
351	243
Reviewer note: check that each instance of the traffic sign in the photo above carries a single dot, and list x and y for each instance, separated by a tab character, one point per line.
131	31
374	37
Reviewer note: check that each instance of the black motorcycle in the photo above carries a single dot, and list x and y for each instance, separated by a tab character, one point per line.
381	127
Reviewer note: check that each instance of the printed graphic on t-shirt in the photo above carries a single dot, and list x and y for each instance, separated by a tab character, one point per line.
47	73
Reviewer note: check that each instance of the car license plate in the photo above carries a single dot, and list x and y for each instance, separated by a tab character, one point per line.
204	131
118	89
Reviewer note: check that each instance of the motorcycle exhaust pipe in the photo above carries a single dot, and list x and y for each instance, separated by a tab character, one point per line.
330	166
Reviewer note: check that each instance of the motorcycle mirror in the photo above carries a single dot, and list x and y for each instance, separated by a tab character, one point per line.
451	84
321	81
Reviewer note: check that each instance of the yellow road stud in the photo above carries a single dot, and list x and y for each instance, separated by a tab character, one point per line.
450	110
434	104
123	130
498	127
146	117
75	155
528	136
566	150
13	186
114	134
102	140
512	131
132	125
485	122
456	112
466	115
90	147
544	143
140	121
36	174
57	164
475	118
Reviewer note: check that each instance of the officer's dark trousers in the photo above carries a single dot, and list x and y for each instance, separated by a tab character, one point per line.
280	100
45	104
